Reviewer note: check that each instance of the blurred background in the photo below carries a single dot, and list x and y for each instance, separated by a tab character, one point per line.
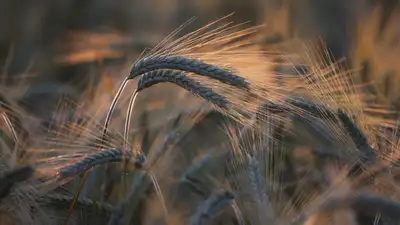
80	50
70	42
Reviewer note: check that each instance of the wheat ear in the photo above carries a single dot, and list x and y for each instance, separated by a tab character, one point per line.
175	77
182	80
196	167
14	136
355	133
358	137
189	65
259	191
96	159
101	158
366	204
81	201
195	66
138	185
170	139
218	201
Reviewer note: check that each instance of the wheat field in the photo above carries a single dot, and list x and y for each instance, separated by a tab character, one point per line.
225	123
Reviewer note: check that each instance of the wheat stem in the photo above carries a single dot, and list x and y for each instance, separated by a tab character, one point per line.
129	118
112	108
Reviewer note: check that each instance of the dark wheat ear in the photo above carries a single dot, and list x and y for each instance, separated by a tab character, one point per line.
260	190
357	136
101	158
9	179
321	111
175	77
196	66
188	176
60	199
181	79
364	204
169	141
96	159
217	202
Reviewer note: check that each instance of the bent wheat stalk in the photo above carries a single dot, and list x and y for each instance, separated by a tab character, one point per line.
129	118
102	140
161	62
169	62
112	108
